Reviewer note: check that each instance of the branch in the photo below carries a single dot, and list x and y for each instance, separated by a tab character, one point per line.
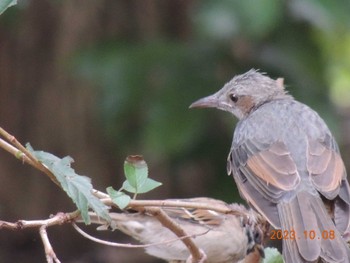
20	152
167	203
58	219
151	207
173	203
49	252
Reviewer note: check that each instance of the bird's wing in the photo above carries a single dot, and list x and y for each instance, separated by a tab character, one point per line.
264	173
271	170
328	176
326	168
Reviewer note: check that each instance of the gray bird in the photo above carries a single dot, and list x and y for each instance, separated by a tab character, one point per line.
287	165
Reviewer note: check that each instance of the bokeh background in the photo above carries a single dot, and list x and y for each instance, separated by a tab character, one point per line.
99	80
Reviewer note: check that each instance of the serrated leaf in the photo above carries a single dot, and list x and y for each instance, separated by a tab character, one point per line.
147	186
78	187
136	171
4	4
119	198
272	255
128	187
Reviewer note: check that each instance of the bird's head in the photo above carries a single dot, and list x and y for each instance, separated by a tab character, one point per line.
244	93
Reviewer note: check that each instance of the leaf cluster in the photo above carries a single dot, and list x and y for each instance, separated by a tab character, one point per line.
137	181
80	189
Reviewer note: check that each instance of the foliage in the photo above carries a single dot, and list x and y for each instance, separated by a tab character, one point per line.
137	181
80	190
77	187
118	197
136	173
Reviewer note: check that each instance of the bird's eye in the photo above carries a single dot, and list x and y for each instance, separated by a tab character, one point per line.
233	97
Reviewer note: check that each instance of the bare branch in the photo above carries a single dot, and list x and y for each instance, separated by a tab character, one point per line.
14	151
176	203
58	219
140	204
20	152
49	252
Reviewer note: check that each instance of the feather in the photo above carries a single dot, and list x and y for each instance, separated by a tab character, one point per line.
326	168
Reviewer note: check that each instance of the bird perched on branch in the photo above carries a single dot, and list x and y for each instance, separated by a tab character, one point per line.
287	165
224	238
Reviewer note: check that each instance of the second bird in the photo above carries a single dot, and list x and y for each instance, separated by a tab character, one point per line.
287	165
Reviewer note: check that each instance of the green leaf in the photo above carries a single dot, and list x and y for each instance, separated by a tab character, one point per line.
135	175
136	171
272	255
147	186
128	187
4	4
119	198
78	188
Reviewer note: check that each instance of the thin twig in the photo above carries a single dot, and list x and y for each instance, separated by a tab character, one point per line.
20	152
49	252
171	203
175	203
58	219
14	151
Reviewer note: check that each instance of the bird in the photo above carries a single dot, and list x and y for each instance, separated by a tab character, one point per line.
224	238
287	165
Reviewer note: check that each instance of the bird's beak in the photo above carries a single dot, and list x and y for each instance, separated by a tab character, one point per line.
211	101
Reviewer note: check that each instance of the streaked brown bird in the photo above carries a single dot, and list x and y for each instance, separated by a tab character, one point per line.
287	165
224	238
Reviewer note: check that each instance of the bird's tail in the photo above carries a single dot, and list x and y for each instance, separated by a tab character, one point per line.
308	232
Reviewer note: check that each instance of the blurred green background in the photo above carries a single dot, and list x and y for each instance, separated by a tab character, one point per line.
99	80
